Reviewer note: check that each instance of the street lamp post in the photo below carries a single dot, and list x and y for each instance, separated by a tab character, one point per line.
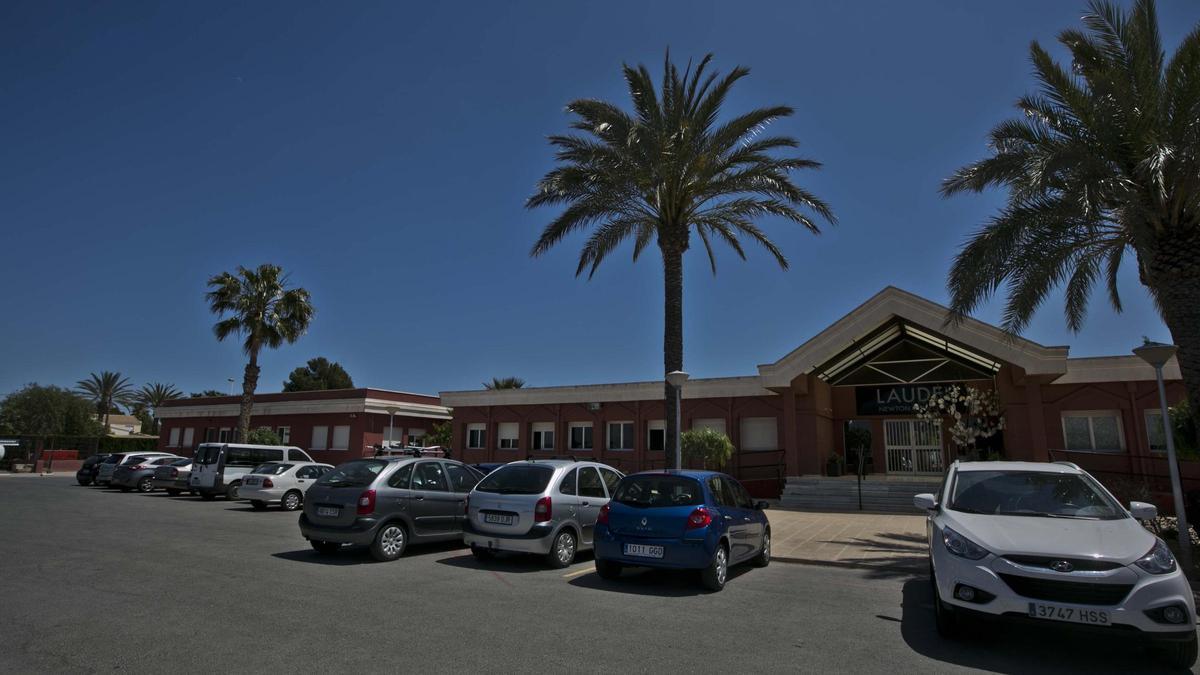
391	427
1157	355
676	378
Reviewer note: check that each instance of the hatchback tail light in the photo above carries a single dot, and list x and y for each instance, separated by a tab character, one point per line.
366	503
267	482
602	517
699	518
541	511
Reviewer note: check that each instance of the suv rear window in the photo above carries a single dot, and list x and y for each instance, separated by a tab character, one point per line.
357	473
651	491
517	479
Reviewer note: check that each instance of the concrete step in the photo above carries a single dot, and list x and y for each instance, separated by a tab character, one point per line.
879	494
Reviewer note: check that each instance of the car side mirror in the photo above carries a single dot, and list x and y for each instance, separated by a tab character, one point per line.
762	506
1143	511
925	501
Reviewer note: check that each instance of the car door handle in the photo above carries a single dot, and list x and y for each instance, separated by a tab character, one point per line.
746	519
728	517
419	498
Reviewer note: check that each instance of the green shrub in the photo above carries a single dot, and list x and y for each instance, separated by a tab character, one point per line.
263	436
712	448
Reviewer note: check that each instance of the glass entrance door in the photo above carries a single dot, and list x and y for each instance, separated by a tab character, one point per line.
913	446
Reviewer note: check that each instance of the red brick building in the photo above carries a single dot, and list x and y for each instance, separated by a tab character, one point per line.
864	372
332	426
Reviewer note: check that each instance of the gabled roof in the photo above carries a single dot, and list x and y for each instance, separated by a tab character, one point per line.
891	304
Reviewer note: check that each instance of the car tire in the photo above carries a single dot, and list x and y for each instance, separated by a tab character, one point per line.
173	492
714	576
84	481
258	504
291	501
1179	655
208	496
231	492
325	547
390	542
146	485
608	569
482	553
764	556
562	551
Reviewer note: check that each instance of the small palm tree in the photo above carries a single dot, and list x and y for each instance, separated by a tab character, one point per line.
504	383
152	396
1104	159
107	391
667	171
257	305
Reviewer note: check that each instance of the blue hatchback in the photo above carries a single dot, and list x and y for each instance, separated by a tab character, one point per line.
701	520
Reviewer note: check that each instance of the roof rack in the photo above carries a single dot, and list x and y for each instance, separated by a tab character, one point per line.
531	458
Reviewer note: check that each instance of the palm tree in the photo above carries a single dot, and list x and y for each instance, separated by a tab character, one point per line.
504	383
107	391
665	171
152	396
257	305
1104	159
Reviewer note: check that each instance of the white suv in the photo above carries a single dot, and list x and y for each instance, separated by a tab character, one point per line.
1045	542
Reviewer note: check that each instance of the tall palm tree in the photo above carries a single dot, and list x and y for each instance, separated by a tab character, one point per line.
257	305
152	396
107	391
669	170
504	383
1104	159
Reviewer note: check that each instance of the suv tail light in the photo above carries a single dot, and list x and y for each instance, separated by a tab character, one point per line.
602	517
366	503
541	511
699	518
138	467
267	482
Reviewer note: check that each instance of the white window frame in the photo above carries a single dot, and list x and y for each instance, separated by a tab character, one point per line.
572	426
225	435
651	427
538	432
285	434
745	446
324	437
714	423
482	442
173	438
1089	414
414	437
189	437
333	437
627	440
1146	417
508	436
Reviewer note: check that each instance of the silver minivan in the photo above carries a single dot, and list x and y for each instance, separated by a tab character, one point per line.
543	506
218	468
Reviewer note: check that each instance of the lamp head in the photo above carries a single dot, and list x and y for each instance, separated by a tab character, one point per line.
1155	353
676	378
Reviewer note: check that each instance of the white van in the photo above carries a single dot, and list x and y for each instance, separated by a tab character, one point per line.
218	467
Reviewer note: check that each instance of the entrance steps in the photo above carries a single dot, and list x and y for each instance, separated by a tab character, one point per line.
880	493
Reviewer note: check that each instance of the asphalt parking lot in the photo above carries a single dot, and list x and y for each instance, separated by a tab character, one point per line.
99	580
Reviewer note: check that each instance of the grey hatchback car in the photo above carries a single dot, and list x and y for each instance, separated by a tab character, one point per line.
387	503
543	506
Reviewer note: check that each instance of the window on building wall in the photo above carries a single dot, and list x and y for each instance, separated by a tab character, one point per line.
759	433
476	436
1155	433
225	435
656	435
284	434
543	436
717	424
506	435
581	435
415	437
189	437
320	438
620	435
341	438
173	438
210	434
1093	431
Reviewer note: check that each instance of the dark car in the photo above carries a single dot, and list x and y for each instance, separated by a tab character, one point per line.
387	503
140	476
86	475
686	520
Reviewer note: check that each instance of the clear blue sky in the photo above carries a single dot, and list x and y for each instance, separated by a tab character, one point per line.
382	152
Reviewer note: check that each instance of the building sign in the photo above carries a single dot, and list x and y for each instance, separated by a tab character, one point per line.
895	399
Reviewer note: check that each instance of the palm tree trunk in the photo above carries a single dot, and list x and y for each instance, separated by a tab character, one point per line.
672	341
1179	299
249	384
